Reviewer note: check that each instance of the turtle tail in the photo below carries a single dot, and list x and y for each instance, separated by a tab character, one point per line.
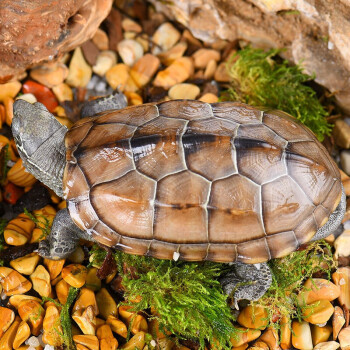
39	139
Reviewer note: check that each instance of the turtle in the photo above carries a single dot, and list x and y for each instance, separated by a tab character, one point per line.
184	179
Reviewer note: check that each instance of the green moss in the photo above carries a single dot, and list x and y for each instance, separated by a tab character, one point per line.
189	300
186	296
66	320
259	78
289	274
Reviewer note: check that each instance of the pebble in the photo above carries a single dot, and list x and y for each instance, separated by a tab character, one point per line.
328	345
245	336
26	264
187	35
341	133
203	56
8	104
63	92
74	275
10	89
33	341
209	98
27	97
106	304
50	74
319	312
105	61
118	76
100	39
342	244
90	52
301	335
179	71
338	321
144	69
79	71
41	281
164	38
342	278
184	91
221	74
133	98
320	334
177	51
42	93
318	289
344	337
210	69
129	25
143	40
345	161
130	51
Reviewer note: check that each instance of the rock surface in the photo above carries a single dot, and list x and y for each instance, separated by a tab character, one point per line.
38	30
314	31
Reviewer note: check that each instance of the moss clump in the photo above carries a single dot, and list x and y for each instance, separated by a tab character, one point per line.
289	274
259	79
65	318
187	297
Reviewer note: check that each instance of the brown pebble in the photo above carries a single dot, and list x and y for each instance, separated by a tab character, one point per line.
341	133
184	91
164	38
10	89
131	26
209	98
202	57
144	69
90	52
100	39
118	76
50	74
221	74
177	51
179	71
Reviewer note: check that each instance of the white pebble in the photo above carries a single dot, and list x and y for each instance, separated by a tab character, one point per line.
130	51
93	81
101	86
176	256
153	343
33	341
330	45
31	348
346	225
27	97
48	347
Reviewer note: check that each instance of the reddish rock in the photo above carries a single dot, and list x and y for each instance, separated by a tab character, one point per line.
38	30
42	93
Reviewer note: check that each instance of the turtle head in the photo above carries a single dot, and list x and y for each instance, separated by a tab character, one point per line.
39	139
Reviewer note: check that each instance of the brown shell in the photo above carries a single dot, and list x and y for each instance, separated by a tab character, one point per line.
221	182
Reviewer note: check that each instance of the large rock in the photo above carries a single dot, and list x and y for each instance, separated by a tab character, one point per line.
37	30
316	32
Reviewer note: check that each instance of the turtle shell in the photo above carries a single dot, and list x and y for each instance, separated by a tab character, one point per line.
221	182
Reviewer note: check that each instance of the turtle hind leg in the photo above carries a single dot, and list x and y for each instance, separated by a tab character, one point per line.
246	282
63	238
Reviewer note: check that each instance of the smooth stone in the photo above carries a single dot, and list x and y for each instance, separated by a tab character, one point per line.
100	39
342	244
177	51
341	133
328	345
79	71
50	74
184	91
209	98
105	61
165	37
345	161
203	56
221	75
129	25
10	89
130	51
344	337
118	76
144	69
27	97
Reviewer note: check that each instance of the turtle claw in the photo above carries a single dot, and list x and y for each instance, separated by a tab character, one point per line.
246	282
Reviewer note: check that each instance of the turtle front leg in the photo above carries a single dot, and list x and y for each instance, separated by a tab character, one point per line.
246	281
63	238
